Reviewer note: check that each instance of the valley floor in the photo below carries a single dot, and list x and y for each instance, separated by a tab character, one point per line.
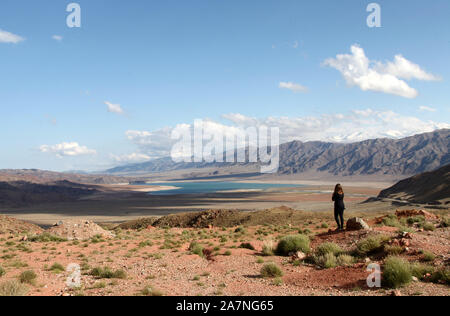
116	204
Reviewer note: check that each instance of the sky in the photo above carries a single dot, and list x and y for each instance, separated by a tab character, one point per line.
111	91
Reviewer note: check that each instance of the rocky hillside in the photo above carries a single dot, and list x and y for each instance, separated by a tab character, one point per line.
21	193
42	176
390	157
430	187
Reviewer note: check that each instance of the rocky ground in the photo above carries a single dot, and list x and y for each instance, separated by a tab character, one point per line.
142	259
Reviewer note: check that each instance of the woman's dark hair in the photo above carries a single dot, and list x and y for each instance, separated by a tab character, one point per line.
338	189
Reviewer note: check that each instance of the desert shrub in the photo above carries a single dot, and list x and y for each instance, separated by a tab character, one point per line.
2	271
240	229
278	282
429	227
396	272
326	261
328	247
150	291
13	288
46	237
445	222
247	246
107	273
271	270
415	220
420	270
293	243
391	221
324	225
345	260
28	277
393	249
196	248
57	268
428	256
441	276
268	248
371	245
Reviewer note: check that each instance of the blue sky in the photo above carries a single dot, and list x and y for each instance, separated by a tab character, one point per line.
170	62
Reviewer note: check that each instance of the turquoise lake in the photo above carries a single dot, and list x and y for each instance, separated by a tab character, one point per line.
213	187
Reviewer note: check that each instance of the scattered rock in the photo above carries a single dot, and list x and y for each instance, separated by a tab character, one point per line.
357	224
396	293
79	230
411	213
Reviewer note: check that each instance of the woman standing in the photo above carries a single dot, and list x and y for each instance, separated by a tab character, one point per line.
339	206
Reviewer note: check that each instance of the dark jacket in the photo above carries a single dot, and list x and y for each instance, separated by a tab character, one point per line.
338	201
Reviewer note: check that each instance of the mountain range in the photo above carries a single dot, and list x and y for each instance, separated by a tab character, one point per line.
383	157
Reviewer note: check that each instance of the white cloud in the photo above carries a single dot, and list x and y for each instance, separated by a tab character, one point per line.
67	149
114	108
7	37
405	69
58	38
154	144
354	126
424	108
295	87
131	158
358	70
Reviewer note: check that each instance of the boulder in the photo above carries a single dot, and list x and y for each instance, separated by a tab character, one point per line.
357	224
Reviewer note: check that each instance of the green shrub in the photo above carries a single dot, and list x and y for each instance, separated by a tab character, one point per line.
28	277
247	246
326	261
271	270
429	227
428	256
2	271
396	272
371	245
150	291
278	282
293	244
391	221
13	288
441	276
345	260
46	237
445	222
107	273
324	225
57	268
196	249
393	250
416	220
420	270
328	247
